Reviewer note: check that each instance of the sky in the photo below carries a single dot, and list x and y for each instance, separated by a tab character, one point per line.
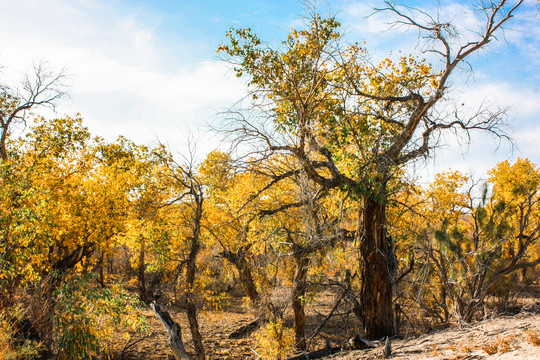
148	70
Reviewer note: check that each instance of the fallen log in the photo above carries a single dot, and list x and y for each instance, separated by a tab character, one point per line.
317	354
357	343
245	330
175	333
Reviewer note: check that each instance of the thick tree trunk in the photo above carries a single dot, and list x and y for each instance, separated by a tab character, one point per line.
378	267
299	291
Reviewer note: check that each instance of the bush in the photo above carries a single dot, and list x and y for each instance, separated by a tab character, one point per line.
274	341
13	345
87	317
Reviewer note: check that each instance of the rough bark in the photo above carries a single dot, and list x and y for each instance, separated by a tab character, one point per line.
317	354
191	270
239	261
299	291
377	272
175	333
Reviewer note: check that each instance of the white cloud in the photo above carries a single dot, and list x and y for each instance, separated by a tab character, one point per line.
484	151
360	16
123	82
529	143
522	99
126	81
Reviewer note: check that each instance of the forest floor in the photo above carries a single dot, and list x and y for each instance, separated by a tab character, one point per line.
216	326
504	337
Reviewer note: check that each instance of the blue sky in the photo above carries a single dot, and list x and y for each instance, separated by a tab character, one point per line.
149	69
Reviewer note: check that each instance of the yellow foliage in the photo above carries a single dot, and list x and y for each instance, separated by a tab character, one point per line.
11	346
458	229
533	336
274	341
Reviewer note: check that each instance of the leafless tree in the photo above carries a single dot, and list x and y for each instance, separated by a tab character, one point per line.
43	87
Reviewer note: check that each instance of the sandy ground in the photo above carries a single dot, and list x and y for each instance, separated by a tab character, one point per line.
516	337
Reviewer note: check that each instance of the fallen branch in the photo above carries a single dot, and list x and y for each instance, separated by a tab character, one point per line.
357	343
245	330
130	344
318	354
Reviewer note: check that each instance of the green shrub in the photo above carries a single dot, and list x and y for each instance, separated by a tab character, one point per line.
87	318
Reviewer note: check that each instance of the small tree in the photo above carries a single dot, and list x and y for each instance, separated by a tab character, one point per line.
184	210
472	238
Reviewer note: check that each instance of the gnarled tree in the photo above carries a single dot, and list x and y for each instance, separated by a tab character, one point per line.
352	124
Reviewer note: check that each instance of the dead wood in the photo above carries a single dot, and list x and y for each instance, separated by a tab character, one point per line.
387	352
175	333
245	330
317	354
357	343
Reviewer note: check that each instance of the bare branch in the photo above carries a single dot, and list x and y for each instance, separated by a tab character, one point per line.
42	88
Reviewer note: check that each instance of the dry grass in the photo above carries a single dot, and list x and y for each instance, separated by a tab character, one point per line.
465	349
504	345
461	350
490	349
500	345
533	336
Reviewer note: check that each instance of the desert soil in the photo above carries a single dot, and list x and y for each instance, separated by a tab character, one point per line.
508	337
514	337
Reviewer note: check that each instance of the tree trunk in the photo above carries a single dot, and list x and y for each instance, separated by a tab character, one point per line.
191	310
299	291
175	333
191	271
241	264
378	267
140	272
100	270
3	139
44	301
